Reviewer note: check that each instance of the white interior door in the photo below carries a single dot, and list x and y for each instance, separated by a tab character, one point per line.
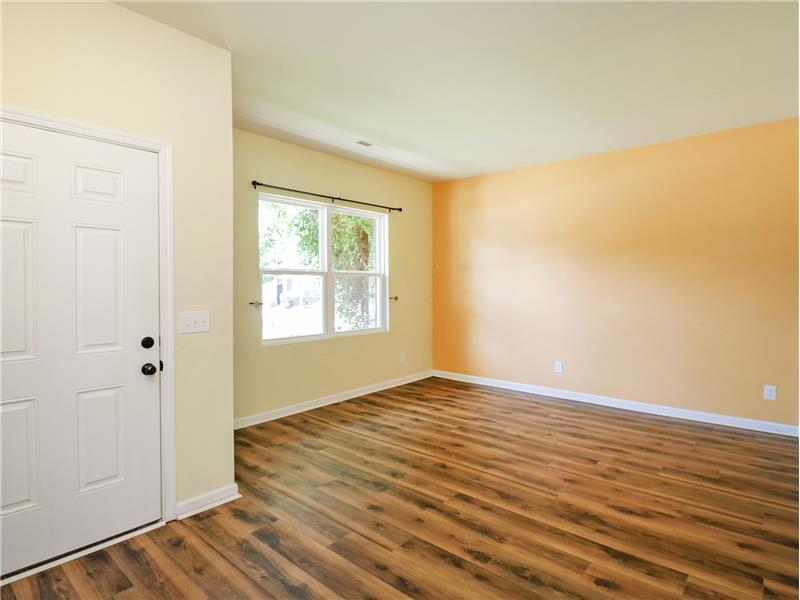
80	419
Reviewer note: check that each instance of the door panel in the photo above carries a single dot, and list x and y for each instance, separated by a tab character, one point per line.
93	183
98	288
18	441
17	336
80	421
17	172
101	428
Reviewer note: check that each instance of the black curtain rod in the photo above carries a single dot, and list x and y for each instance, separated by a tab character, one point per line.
256	184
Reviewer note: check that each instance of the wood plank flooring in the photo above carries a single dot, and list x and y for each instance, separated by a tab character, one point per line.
439	490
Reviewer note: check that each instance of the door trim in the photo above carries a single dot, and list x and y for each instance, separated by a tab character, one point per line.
166	269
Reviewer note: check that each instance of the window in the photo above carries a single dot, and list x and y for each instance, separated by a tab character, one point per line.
323	269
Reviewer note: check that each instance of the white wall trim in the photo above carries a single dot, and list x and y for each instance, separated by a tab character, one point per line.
190	507
166	272
293	409
643	407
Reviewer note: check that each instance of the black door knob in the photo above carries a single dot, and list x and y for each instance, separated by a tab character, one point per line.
149	369
147	342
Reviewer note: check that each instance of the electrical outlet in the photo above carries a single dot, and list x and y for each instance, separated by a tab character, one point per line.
770	392
194	321
558	366
402	357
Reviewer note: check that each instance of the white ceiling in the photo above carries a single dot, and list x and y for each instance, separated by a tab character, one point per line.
448	90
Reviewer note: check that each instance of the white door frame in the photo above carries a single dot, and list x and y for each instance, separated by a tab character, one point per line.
166	267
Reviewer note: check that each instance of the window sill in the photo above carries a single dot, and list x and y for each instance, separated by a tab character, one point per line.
318	338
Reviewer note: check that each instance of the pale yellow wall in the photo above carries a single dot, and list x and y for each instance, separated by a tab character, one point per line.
269	377
107	66
663	274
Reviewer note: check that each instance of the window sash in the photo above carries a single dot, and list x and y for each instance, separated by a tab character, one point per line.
329	274
266	199
324	331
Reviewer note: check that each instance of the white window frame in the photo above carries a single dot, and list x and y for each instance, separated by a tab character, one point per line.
328	274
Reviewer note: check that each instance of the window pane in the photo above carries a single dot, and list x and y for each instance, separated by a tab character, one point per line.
356	303
288	236
354	240
293	306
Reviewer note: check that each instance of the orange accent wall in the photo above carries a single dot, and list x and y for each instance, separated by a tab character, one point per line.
665	274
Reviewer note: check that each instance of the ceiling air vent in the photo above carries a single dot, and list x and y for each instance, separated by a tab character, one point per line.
364	143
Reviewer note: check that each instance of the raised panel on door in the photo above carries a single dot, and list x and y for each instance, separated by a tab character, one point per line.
17	172
101	427
98	288
17	333
18	430
98	183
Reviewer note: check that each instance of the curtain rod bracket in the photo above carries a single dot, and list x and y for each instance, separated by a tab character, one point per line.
333	199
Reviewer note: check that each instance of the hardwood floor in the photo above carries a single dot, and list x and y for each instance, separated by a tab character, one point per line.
440	489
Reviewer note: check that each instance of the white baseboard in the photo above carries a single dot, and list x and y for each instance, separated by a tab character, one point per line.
293	409
192	506
643	407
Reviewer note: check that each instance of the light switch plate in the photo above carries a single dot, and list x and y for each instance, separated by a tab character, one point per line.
194	321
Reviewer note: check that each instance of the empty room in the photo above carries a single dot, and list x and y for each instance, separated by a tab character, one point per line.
399	300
